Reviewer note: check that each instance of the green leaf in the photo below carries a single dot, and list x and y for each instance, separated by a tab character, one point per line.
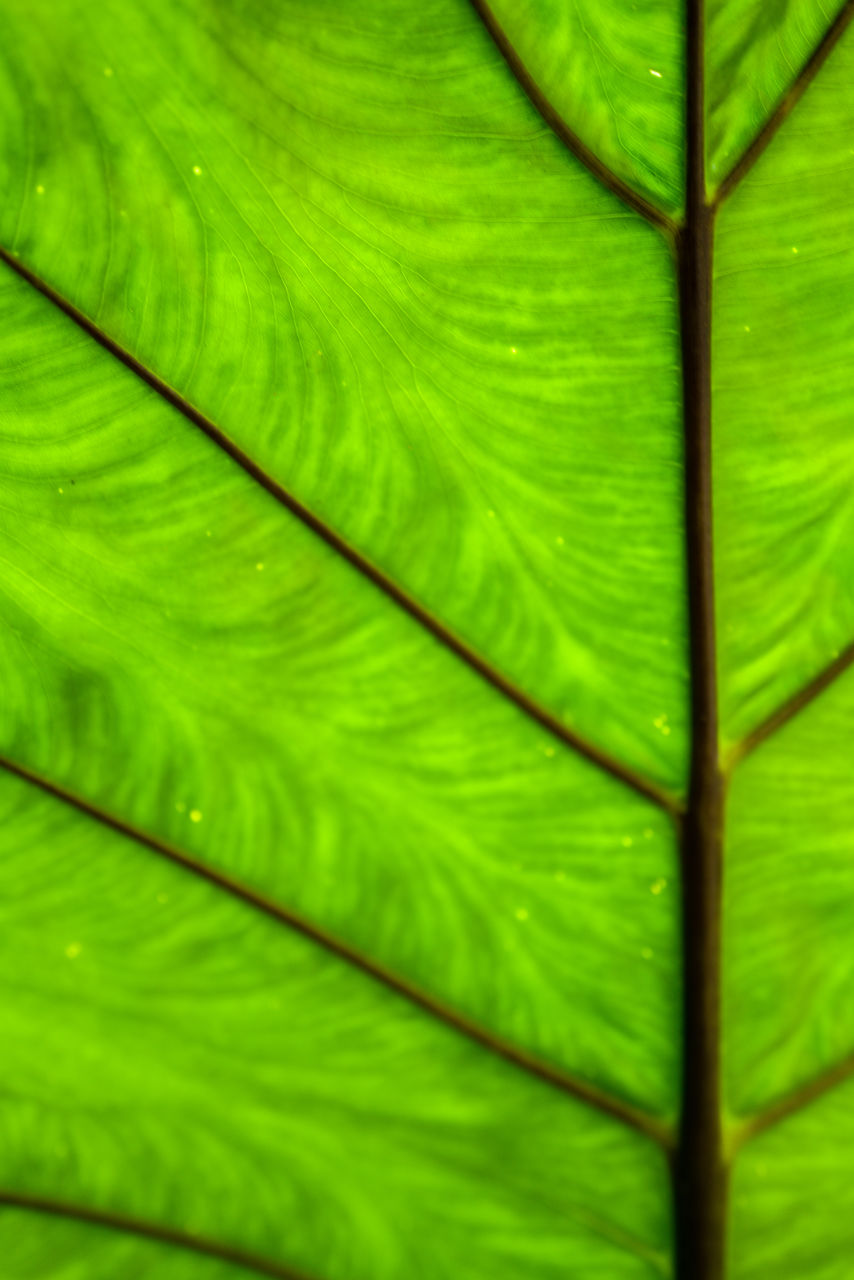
360	249
783	341
372	371
756	52
615	76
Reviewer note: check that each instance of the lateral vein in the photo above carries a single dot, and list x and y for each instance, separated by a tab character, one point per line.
788	102
623	773
789	709
616	1108
151	1231
792	1103
561	129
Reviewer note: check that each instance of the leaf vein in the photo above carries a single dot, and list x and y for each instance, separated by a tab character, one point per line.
623	773
151	1231
562	130
789	709
787	103
547	1073
792	1103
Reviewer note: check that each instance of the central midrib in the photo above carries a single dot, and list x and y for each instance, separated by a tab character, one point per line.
700	1161
699	1169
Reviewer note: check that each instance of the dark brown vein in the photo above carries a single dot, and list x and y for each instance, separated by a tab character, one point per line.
786	105
149	1231
700	1178
560	127
793	1102
789	709
632	1116
623	773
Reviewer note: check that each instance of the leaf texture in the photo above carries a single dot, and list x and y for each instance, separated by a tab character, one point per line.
356	288
756	54
258	695
784	390
209	1061
363	794
615	74
789	909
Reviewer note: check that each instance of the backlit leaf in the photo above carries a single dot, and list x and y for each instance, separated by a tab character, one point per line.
359	775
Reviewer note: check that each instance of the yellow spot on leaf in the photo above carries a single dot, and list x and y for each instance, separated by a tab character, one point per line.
195	815
73	950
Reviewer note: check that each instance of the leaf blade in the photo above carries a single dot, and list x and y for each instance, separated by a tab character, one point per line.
227	1082
443	304
785	584
288	725
756	52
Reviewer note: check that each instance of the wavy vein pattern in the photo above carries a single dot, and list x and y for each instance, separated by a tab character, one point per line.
780	1230
755	51
784	396
324	234
354	246
269	710
785	578
216	1073
615	73
790	905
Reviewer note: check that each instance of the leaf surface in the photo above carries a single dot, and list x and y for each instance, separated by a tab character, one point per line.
259	695
615	74
351	640
756	53
783	398
217	1072
343	268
